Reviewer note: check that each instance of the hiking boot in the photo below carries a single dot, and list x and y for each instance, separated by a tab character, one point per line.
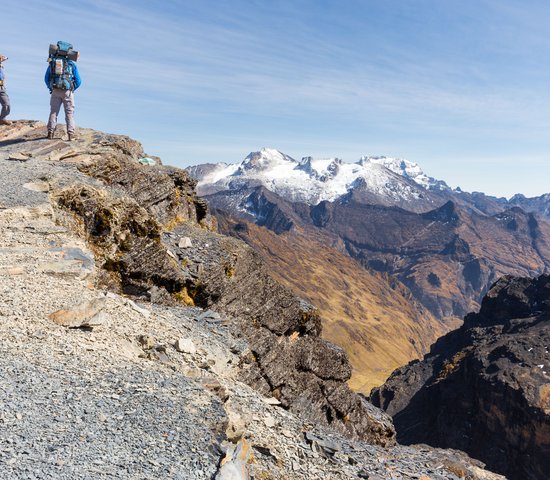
71	137
5	122
50	135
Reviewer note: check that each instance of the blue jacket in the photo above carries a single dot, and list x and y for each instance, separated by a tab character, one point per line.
76	75
2	77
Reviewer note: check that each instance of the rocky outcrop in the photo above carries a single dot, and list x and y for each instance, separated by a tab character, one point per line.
288	359
134	216
484	388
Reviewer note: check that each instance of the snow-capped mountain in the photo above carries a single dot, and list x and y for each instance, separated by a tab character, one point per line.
407	169
384	180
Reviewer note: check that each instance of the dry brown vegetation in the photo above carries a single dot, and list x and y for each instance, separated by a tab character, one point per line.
372	316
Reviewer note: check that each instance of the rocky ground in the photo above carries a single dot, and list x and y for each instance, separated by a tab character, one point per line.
97	383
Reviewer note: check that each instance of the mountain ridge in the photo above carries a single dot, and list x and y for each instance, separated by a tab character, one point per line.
338	178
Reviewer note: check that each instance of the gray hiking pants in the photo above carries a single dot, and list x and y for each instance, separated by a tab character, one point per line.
66	98
5	102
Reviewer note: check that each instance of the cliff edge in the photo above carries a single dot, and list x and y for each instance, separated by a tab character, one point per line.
133	333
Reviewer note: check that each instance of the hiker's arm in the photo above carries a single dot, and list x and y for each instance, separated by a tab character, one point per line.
47	77
77	79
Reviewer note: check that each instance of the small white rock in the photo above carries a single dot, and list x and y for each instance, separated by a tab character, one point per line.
185	345
146	313
37	186
269	421
185	242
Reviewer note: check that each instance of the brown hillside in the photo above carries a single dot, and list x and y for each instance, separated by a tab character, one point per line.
373	317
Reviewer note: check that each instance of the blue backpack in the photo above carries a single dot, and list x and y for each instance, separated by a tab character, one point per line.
61	66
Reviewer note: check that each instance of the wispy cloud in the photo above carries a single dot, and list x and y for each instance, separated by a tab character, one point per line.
201	78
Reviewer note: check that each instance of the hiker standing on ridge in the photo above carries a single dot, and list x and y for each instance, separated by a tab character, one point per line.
62	79
4	99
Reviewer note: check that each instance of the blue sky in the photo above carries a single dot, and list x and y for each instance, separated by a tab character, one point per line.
460	86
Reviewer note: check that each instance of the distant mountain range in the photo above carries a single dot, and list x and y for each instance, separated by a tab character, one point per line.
376	180
445	246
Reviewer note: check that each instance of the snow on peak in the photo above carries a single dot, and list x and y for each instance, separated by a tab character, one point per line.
265	159
322	169
312	180
406	169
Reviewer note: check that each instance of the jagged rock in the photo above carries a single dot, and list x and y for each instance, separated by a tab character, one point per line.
83	315
166	192
234	465
328	447
289	359
484	388
127	236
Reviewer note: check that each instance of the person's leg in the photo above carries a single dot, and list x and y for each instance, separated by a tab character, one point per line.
55	105
68	105
5	103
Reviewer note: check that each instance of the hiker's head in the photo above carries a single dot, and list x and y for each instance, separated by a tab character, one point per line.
3	58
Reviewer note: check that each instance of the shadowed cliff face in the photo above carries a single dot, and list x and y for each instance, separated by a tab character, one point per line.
484	388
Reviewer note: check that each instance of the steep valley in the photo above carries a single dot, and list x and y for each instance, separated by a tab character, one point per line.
373	317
